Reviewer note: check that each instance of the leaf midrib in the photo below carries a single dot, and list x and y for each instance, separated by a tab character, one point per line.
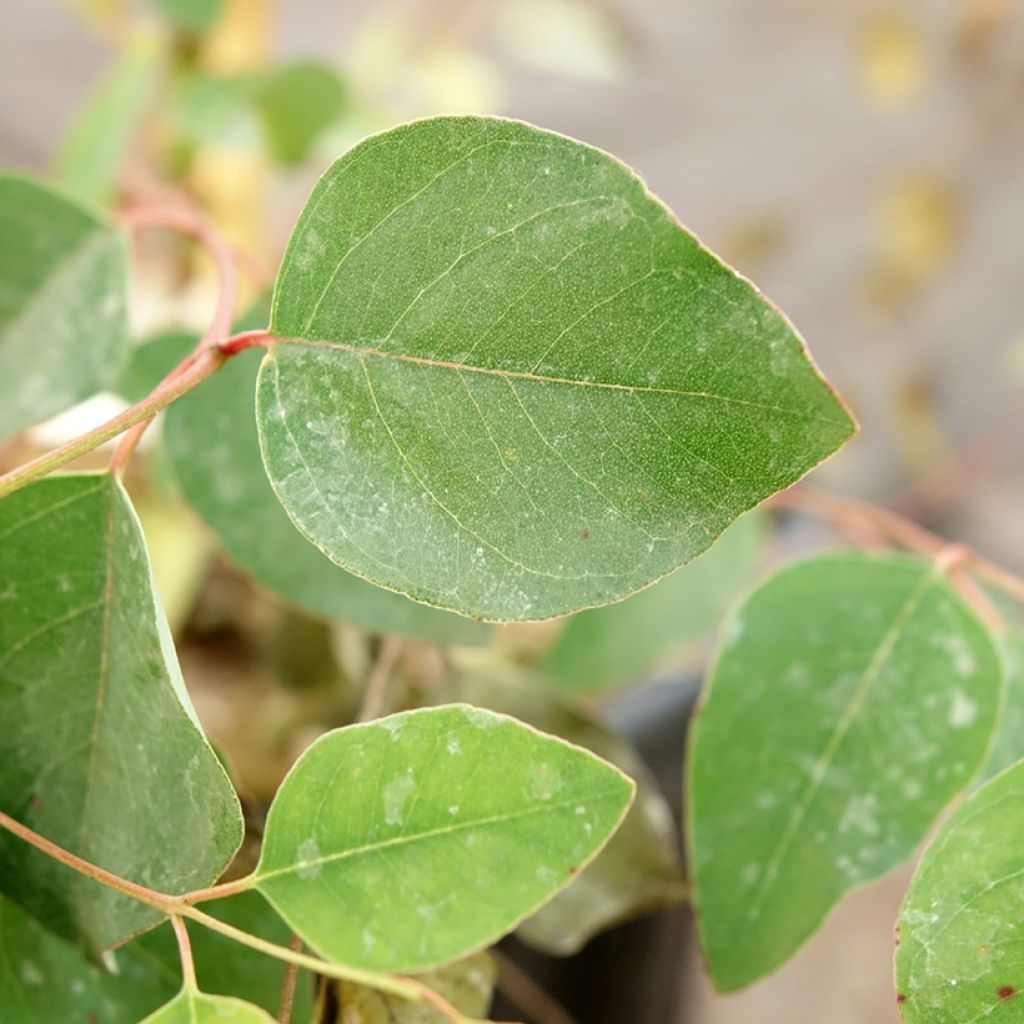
539	378
404	840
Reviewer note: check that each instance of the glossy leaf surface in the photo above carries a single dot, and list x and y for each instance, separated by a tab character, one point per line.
63	307
411	841
961	951
604	646
211	439
639	870
513	385
108	759
852	698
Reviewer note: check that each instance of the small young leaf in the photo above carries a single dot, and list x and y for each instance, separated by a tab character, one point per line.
960	929
466	984
211	439
408	842
104	754
510	384
852	697
296	102
191	1007
63	302
639	870
617	644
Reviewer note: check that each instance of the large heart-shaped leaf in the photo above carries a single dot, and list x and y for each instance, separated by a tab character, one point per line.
211	439
63	307
101	749
852	698
408	842
960	932
509	383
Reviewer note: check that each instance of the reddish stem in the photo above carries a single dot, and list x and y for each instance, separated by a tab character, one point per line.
188	965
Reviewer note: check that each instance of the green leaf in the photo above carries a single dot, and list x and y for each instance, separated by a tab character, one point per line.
852	697
63	306
1008	746
466	984
191	15
92	153
104	754
211	439
192	1007
152	360
511	384
617	644
408	842
44	980
639	870
961	938
296	103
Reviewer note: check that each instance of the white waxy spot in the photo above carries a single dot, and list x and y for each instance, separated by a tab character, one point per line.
453	746
963	711
30	973
453	810
396	793
308	864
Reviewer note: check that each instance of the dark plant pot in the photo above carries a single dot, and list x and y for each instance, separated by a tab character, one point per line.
632	973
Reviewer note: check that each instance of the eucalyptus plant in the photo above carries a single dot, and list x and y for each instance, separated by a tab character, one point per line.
499	382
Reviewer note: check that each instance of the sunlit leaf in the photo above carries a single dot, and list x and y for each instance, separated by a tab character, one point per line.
852	697
617	644
639	870
192	1007
961	936
108	759
63	307
411	841
512	385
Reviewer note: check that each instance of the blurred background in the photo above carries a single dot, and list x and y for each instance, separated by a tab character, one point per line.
862	162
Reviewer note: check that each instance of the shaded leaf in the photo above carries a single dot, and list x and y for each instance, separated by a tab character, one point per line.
63	306
618	643
960	930
411	841
44	980
852	697
108	759
211	439
296	102
513	385
639	870
192	1007
466	984
93	150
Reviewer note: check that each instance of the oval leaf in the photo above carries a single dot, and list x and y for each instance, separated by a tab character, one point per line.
960	931
852	698
108	759
191	1007
508	383
408	842
210	436
63	303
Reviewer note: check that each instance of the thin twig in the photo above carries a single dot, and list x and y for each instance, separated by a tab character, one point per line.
291	974
187	222
161	901
849	513
375	695
530	997
188	965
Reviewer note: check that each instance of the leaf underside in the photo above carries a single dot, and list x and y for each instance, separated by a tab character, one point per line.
63	303
108	759
510	384
852	698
